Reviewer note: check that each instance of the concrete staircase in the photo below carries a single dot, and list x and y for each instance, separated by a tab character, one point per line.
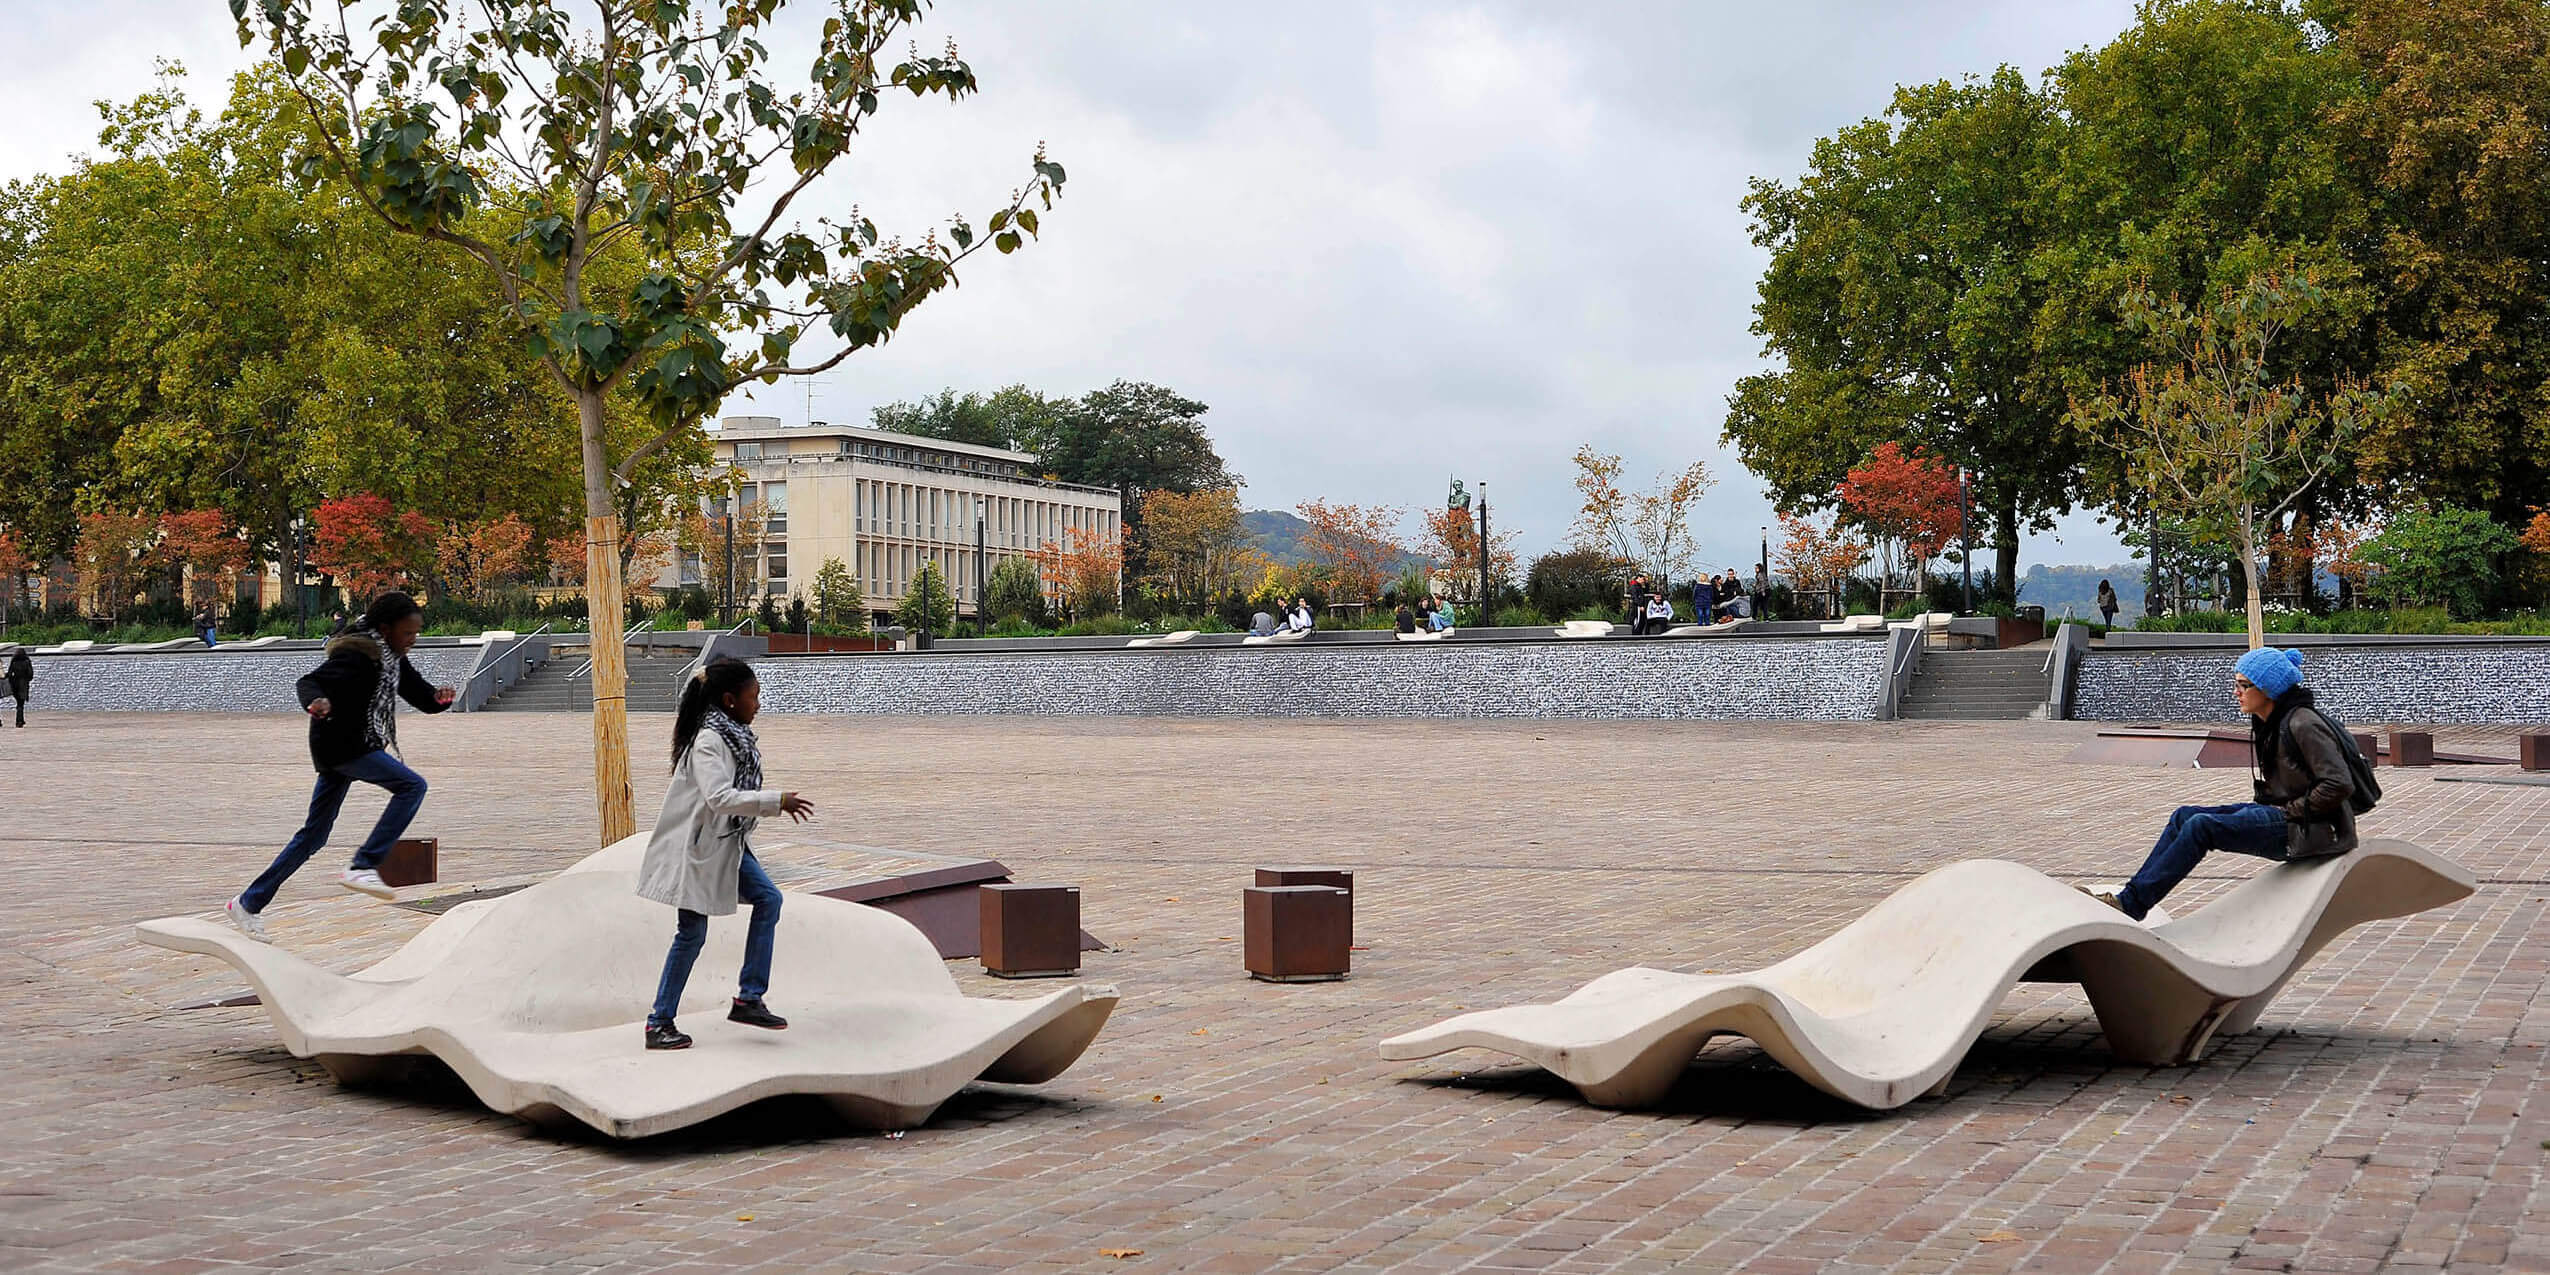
1977	685
654	683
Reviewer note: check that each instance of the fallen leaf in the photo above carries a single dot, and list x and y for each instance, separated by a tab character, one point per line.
1155	1098
1169	900
1201	1031
1120	1253
1999	1237
743	1217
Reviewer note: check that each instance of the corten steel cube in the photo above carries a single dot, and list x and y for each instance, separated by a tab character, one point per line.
2533	749
413	861
2369	744
2412	748
1296	933
1031	931
1342	878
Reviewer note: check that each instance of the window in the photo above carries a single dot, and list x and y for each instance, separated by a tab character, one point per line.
747	451
775	495
778	571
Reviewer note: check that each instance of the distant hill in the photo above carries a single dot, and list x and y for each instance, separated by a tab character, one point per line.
1278	535
2055	588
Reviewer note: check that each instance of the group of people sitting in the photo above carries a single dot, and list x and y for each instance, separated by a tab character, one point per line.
1296	619
1433	614
1713	598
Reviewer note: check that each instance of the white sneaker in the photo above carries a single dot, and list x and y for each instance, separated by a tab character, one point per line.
249	923
366	881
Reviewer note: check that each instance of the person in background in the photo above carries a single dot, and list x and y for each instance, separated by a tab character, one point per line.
1438	614
2107	604
21	682
1637	601
352	699
204	626
1404	618
1659	615
1704	600
1262	624
1301	620
700	858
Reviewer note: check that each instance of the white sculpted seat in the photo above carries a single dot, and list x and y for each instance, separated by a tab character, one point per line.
536	1000
1881	1011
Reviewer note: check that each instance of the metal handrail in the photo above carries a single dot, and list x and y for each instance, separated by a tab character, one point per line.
692	669
490	666
644	626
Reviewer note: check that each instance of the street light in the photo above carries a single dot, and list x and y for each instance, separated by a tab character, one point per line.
982	622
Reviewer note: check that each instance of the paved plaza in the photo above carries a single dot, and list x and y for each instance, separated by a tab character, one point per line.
2389	1113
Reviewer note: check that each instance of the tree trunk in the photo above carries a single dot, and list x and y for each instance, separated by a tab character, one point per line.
2005	550
605	610
2249	571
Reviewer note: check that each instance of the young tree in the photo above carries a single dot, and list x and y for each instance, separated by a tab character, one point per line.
475	558
928	607
1907	504
1651	528
638	130
1817	559
370	546
111	556
203	547
1194	541
1084	571
2210	434
1450	540
2437	555
1356	545
837	596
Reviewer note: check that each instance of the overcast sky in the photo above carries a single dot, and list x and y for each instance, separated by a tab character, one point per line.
1388	243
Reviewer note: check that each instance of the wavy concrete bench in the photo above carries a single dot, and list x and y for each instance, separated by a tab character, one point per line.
1166	639
1584	629
1279	635
537	999
1881	1012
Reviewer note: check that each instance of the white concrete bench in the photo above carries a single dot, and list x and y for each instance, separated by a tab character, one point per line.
1882	1011
1165	639
1585	629
538	1001
1280	635
1854	624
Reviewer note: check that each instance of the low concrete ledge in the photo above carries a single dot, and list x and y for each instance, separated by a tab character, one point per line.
2423	680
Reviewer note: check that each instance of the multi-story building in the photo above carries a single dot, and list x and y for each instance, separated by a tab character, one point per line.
883	504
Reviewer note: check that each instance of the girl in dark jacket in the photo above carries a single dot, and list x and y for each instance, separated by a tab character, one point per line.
352	699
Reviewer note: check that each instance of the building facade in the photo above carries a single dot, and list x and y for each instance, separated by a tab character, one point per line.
883	504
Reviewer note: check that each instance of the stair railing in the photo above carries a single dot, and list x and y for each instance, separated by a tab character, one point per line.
646	626
490	668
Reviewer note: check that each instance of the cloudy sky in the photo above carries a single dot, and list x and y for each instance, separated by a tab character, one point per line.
1388	243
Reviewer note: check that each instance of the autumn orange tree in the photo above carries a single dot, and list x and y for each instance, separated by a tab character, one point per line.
1450	539
15	563
1907	503
370	545
1355	545
1193	542
1818	558
112	556
1083	570
1651	528
205	548
475	558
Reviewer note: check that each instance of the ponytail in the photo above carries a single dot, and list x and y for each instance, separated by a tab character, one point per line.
707	689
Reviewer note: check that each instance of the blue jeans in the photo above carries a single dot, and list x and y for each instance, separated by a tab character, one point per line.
690	933
2246	828
407	793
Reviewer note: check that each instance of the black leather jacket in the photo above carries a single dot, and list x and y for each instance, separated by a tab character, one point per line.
2312	781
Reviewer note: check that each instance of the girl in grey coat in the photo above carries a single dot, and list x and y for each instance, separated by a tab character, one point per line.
700	859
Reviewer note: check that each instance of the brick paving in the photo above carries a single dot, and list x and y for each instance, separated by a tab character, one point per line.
2389	1114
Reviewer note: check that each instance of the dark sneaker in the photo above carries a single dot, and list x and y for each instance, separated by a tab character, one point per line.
2107	897
666	1036
755	1014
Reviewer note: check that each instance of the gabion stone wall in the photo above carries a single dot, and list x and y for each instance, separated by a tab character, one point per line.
2357	684
214	681
1830	679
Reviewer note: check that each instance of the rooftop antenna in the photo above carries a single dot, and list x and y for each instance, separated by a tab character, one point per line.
810	396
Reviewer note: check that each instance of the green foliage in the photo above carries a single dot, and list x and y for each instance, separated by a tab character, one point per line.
928	607
1013	592
1568	581
838	598
2437	555
797	616
1014	418
766	617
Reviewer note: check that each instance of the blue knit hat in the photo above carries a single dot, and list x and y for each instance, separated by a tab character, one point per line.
2271	670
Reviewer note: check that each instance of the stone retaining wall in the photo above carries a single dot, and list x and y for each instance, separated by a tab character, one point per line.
1686	679
2362	684
214	681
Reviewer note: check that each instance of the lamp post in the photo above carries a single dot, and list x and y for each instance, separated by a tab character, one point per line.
726	515
1965	533
1487	584
1762	578
982	622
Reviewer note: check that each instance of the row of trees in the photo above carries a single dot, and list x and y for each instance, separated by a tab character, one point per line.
2013	277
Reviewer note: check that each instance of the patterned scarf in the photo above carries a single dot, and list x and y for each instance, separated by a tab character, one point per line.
739	741
380	723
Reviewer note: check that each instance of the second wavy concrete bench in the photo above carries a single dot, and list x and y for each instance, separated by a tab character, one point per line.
536	1000
1883	1010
